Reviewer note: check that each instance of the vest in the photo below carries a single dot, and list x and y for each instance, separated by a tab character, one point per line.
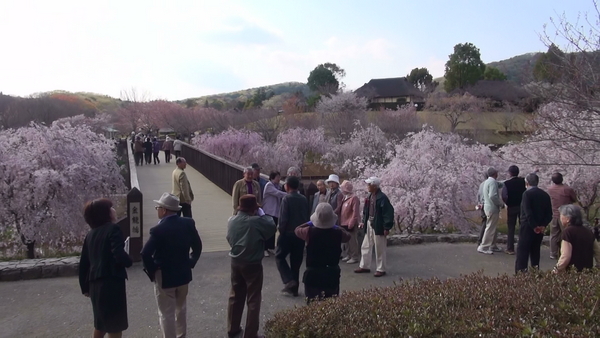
515	188
324	247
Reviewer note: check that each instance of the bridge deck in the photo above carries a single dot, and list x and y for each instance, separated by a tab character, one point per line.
210	209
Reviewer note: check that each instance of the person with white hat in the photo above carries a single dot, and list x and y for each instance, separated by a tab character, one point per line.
323	248
335	195
378	217
168	263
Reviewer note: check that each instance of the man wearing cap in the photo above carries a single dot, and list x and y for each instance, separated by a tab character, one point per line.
246	233
182	188
323	249
293	213
378	216
245	186
261	181
335	195
168	263
512	193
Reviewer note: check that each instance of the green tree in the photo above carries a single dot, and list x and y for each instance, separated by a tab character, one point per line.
493	73
421	79
464	67
190	103
206	103
323	79
548	66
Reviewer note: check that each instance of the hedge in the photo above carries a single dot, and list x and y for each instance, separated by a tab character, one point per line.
537	304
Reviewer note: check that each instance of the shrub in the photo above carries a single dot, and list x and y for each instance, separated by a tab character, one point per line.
531	305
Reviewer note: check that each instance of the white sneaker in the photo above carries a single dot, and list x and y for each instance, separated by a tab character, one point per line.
345	259
487	252
267	253
496	249
352	261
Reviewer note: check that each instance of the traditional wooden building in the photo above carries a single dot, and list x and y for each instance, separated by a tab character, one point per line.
391	93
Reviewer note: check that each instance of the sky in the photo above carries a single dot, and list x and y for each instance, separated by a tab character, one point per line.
179	49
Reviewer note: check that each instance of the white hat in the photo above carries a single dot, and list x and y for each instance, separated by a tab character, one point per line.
373	181
324	217
333	178
169	202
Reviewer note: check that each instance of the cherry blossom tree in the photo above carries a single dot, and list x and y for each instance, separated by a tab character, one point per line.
367	147
457	109
396	123
432	180
47	173
233	145
299	143
339	112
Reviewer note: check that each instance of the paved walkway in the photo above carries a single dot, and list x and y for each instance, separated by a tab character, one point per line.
55	307
210	209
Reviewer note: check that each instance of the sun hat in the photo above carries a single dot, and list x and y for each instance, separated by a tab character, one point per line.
347	187
169	202
333	178
373	181
324	217
248	204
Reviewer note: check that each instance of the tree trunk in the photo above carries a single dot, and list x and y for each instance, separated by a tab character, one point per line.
30	250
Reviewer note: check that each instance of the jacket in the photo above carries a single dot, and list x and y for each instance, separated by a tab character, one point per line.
138	146
536	208
168	145
384	213
315	200
247	234
168	249
103	256
350	211
335	199
294	212
182	187
240	189
272	196
491	197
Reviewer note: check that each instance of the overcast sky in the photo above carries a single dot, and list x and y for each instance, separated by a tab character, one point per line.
178	49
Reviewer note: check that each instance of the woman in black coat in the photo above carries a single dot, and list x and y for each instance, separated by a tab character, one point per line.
102	269
148	151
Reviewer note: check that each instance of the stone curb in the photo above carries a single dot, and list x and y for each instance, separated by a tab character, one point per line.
409	239
69	266
39	268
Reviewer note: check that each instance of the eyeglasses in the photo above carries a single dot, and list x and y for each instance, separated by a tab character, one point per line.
158	207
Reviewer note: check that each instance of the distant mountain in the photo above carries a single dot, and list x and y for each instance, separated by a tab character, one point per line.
245	94
518	69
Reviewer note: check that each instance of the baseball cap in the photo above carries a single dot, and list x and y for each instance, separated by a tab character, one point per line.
373	180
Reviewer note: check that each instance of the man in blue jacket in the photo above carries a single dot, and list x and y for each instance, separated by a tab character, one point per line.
168	263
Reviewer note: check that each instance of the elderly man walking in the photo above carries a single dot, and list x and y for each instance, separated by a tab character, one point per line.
536	213
168	263
245	186
182	188
321	196
168	149
378	217
492	205
560	194
294	212
246	233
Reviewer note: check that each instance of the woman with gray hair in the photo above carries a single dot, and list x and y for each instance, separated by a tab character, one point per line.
579	247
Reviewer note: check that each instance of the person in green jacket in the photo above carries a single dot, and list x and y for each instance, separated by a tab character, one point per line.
246	233
378	216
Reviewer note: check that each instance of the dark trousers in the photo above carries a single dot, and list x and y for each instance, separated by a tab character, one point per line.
513	214
483	223
186	210
555	237
139	158
528	248
177	154
321	283
270	243
155	156
167	156
289	244
246	286
148	157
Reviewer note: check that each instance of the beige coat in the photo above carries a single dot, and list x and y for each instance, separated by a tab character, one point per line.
240	189
181	187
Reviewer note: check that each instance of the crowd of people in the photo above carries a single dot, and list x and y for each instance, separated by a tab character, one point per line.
146	149
324	227
571	243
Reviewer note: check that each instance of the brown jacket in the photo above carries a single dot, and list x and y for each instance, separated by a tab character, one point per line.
240	189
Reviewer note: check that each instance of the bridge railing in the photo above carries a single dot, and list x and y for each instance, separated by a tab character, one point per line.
132	225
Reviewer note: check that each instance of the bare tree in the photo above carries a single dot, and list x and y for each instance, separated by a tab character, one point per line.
396	123
266	122
457	109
